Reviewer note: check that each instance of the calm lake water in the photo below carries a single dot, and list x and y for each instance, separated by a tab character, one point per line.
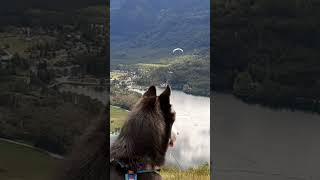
102	96
192	123
251	142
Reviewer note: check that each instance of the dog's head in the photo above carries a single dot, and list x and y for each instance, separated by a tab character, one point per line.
162	102
147	133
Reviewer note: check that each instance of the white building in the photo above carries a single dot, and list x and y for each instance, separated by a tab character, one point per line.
5	58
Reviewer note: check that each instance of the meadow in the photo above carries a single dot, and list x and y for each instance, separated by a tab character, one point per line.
16	44
23	163
117	118
201	172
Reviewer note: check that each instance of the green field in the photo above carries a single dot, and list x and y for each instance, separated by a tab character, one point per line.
201	172
117	118
20	45
16	45
23	163
116	75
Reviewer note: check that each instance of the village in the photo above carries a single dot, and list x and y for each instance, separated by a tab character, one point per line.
55	55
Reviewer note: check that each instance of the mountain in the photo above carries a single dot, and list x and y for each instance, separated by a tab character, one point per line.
146	30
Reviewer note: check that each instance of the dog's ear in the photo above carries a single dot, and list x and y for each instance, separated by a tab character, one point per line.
165	97
151	92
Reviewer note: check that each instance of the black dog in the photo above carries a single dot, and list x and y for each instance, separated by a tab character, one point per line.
144	138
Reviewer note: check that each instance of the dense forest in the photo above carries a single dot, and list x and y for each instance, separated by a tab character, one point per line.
267	51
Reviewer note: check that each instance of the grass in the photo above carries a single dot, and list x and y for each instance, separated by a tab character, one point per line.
117	118
152	65
138	55
22	163
115	75
16	45
201	172
20	45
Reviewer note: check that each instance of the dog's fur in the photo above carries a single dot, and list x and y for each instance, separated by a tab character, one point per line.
144	138
89	159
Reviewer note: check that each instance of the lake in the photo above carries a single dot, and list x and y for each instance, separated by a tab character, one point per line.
102	96
252	142
192	123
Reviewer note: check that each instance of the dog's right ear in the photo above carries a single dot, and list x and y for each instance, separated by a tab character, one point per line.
151	92
165	97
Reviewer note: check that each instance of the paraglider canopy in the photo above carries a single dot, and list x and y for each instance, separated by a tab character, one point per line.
177	49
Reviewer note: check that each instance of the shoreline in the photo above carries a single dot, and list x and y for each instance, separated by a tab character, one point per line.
269	106
56	156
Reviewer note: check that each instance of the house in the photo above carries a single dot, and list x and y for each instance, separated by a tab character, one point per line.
61	54
5	58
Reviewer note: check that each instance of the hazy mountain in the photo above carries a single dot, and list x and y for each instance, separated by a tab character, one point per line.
149	29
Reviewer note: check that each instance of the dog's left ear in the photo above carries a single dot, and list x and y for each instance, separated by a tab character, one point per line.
151	92
165	97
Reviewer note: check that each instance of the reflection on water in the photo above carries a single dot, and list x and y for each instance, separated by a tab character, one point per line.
192	123
251	142
102	96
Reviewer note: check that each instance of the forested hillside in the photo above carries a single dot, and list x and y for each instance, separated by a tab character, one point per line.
146	30
268	51
189	73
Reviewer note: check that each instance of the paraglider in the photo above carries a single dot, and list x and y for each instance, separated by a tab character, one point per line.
177	49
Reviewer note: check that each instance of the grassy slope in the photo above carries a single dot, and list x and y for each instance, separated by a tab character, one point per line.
20	45
118	116
16	45
116	75
200	173
18	162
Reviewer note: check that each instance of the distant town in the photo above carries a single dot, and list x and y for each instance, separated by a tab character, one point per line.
66	53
